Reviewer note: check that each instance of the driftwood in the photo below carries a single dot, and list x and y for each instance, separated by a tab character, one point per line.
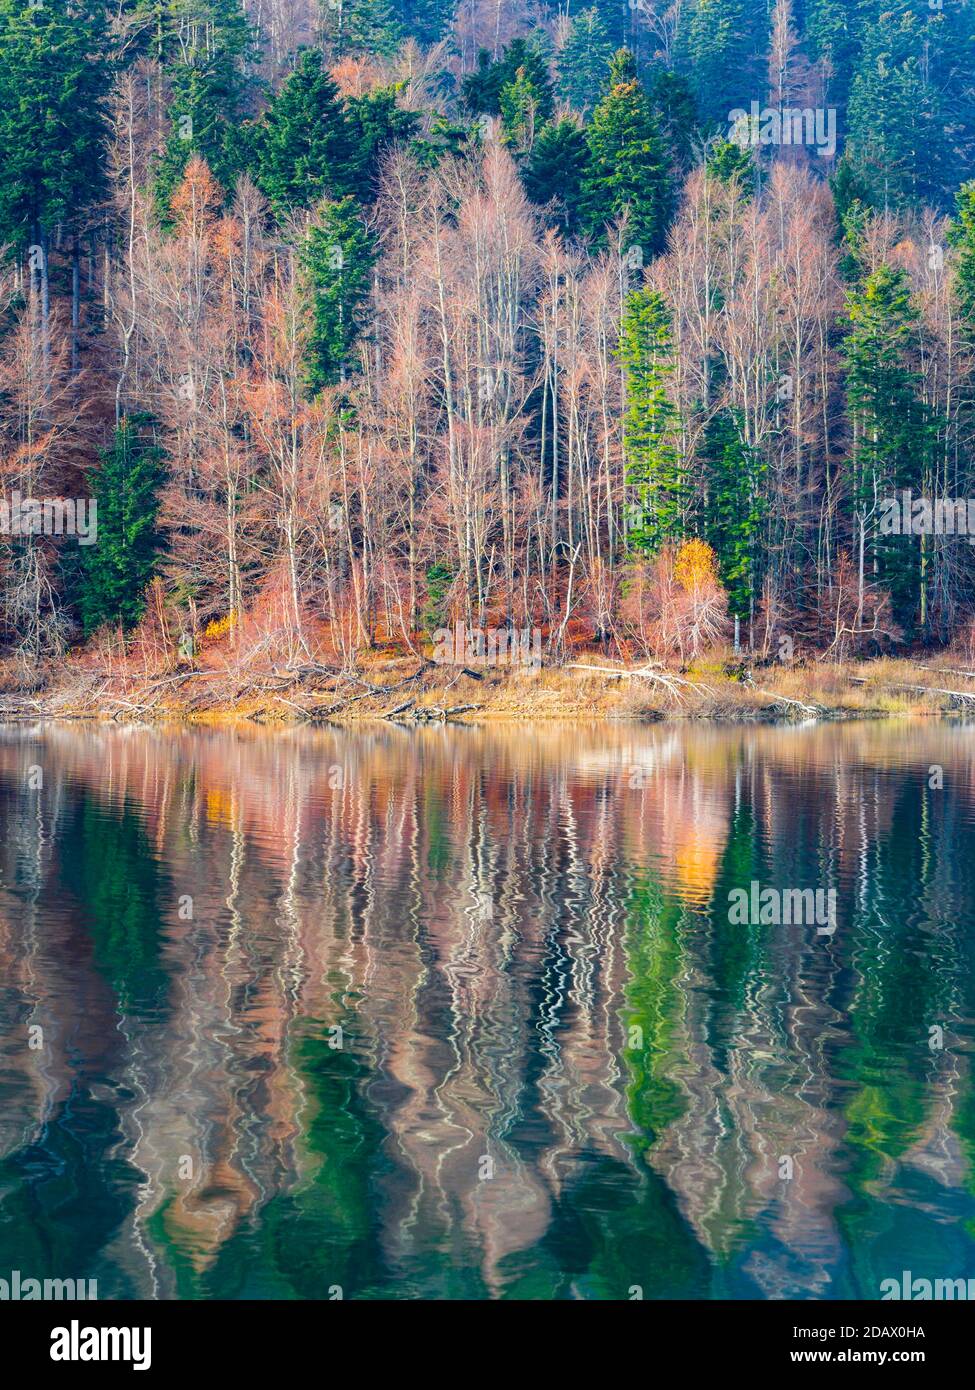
958	695
940	671
813	711
400	709
671	683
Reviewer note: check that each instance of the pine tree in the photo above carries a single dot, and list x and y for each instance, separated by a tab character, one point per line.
628	168
651	422
305	147
734	476
116	571
337	258
554	171
584	60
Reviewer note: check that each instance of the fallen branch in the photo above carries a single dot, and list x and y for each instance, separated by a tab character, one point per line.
670	682
961	695
815	711
400	709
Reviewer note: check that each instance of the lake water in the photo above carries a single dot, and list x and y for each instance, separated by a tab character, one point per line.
461	1013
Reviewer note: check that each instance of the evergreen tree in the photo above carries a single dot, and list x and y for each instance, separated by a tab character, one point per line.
361	26
375	124
482	89
676	110
651	423
963	236
734	475
911	116
729	160
524	108
889	110
553	173
116	571
893	429
54	78
202	121
206	50
337	258
427	21
722	48
833	31
306	148
627	163
584	60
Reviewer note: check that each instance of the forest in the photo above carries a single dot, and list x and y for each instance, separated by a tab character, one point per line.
648	328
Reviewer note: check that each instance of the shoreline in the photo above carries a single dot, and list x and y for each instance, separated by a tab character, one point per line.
410	695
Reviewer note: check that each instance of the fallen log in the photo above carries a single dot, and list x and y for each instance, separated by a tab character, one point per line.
959	695
670	682
400	709
813	711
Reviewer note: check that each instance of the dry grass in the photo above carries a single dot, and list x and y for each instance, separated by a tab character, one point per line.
708	689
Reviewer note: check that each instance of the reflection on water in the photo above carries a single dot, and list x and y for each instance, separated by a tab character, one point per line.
460	1013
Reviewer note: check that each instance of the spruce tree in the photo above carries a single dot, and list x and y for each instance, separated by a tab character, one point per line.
628	168
305	148
482	88
893	430
673	103
911	116
55	73
584	60
206	52
963	236
722	47
376	123
361	27
524	109
427	21
727	160
889	114
337	260
116	571
651	423
734	476
553	173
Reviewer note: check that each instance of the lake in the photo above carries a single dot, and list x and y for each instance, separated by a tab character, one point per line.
464	1013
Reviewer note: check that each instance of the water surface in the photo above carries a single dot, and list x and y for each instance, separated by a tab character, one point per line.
461	1014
